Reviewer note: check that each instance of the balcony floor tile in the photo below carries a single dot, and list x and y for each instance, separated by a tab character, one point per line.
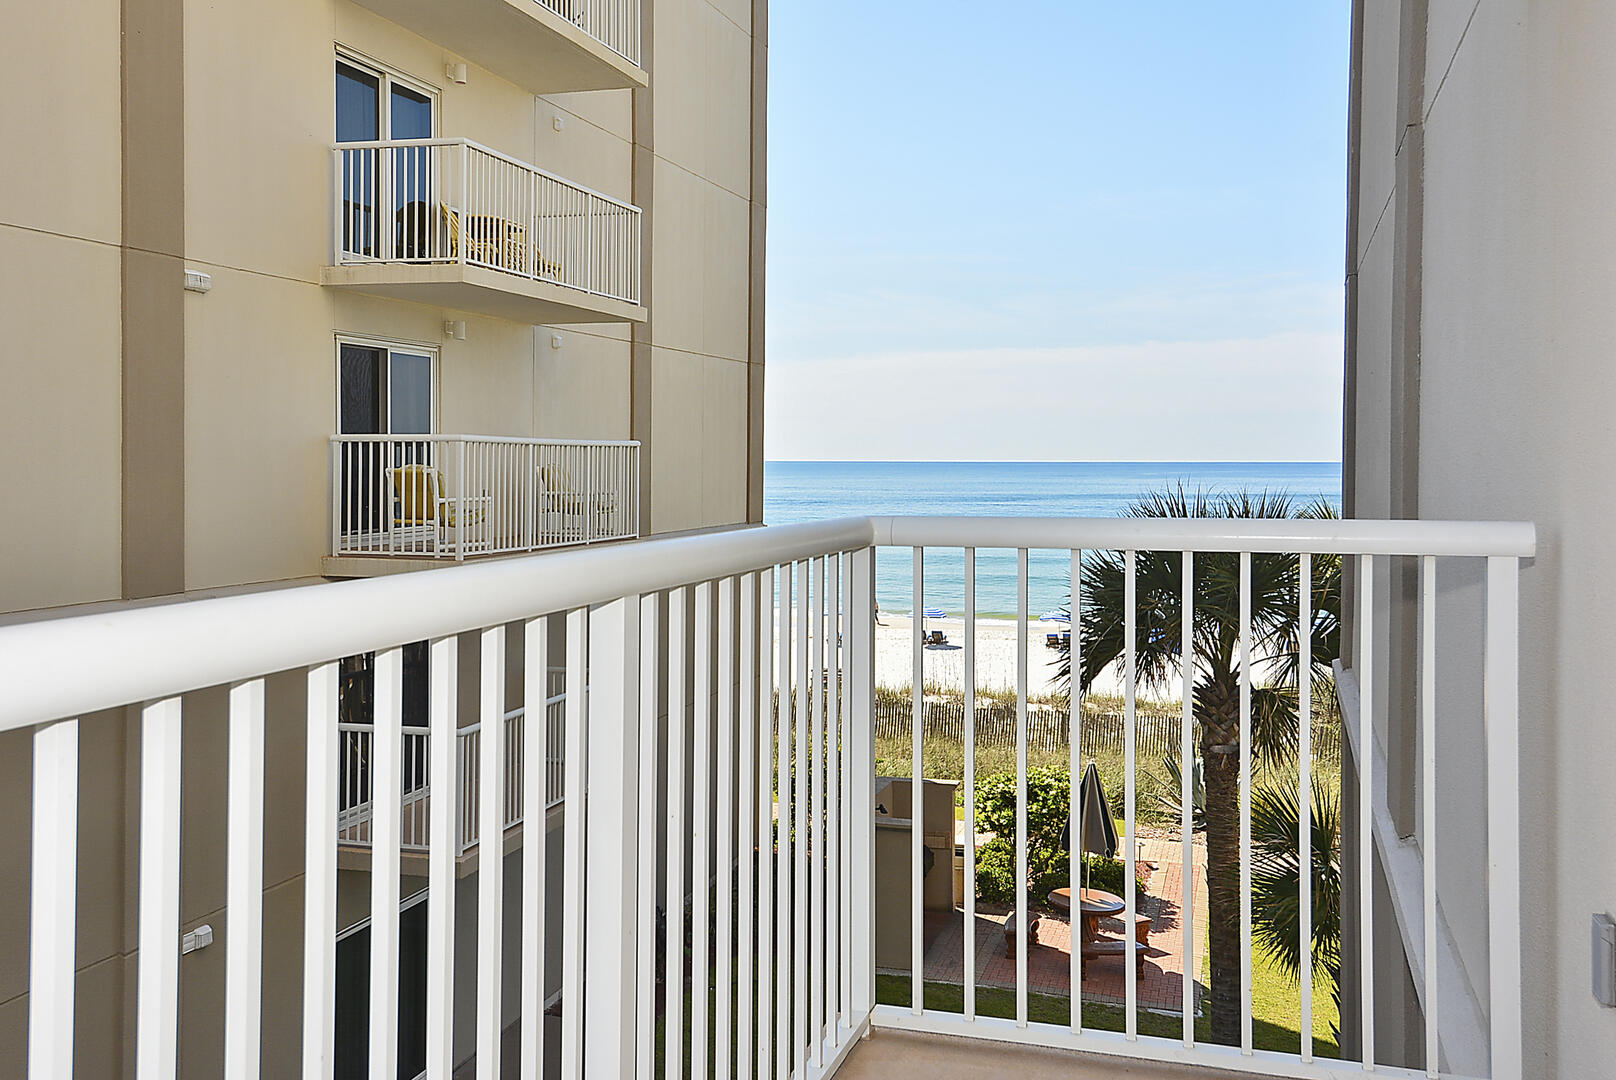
887	1054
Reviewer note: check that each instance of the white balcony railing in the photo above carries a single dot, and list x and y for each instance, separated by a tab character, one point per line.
356	805
729	710
613	23
455	201
450	496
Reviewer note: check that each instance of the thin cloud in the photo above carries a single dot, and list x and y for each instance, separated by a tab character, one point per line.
1247	399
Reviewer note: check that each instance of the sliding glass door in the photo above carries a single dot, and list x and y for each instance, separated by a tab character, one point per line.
386	196
381	390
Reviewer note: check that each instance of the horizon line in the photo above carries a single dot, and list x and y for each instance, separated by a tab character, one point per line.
1047	461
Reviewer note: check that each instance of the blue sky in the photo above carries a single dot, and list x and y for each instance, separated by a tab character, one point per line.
1056	231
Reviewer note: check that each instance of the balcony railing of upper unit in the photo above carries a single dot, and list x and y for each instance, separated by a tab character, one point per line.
355	797
455	201
613	23
719	724
450	496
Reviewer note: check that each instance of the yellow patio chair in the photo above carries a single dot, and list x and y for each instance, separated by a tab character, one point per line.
419	502
490	240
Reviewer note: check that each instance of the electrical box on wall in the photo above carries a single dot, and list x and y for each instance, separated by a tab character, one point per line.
1604	943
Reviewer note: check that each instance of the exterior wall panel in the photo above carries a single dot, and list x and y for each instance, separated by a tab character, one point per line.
1518	322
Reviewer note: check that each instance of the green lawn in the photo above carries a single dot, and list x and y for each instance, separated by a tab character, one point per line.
1275	1010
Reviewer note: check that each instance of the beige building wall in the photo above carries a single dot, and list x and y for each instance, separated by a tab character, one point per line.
228	479
1480	352
61	227
700	343
165	441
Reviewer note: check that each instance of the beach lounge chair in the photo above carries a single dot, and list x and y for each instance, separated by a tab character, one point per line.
936	637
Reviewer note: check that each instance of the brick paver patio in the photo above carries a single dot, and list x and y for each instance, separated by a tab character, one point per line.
1159	987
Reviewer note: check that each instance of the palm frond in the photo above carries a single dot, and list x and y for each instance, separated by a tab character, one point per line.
1276	873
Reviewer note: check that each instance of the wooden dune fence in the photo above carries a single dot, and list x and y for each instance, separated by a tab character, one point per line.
1156	734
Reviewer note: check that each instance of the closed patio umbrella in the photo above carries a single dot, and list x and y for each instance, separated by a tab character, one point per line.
1099	830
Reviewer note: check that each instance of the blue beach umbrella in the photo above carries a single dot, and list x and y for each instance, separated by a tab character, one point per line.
933	613
1055	616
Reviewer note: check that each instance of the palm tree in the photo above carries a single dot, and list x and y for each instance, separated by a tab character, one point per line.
1275	583
1276	907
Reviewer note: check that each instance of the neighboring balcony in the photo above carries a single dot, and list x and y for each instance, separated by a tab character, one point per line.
453	224
546	46
356	783
401	501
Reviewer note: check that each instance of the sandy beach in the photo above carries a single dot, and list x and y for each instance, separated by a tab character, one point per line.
944	664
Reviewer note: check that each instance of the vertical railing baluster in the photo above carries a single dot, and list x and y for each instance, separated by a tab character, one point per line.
673	1047
1304	795
1130	633
443	848
1428	804
53	889
320	874
1245	803
387	747
724	822
745	806
572	848
157	1009
816	828
491	854
1186	790
835	812
969	736
1501	719
861	783
1023	914
244	893
765	824
800	879
783	936
650	657
1366	841
611	765
917	782
1074	793
701	837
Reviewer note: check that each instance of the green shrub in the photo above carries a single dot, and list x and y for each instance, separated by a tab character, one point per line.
1048	805
996	872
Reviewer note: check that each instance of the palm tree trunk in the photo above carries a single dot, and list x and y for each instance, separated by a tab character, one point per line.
1221	763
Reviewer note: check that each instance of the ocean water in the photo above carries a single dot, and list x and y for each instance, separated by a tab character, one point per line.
813	490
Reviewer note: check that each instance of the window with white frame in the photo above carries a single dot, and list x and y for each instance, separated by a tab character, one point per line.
384	191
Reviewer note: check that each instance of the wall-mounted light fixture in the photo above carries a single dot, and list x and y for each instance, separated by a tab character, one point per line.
197	281
455	328
559	122
455	73
555	341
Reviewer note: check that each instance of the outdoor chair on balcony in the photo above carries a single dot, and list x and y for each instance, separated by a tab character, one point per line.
491	240
486	239
423	511
570	513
